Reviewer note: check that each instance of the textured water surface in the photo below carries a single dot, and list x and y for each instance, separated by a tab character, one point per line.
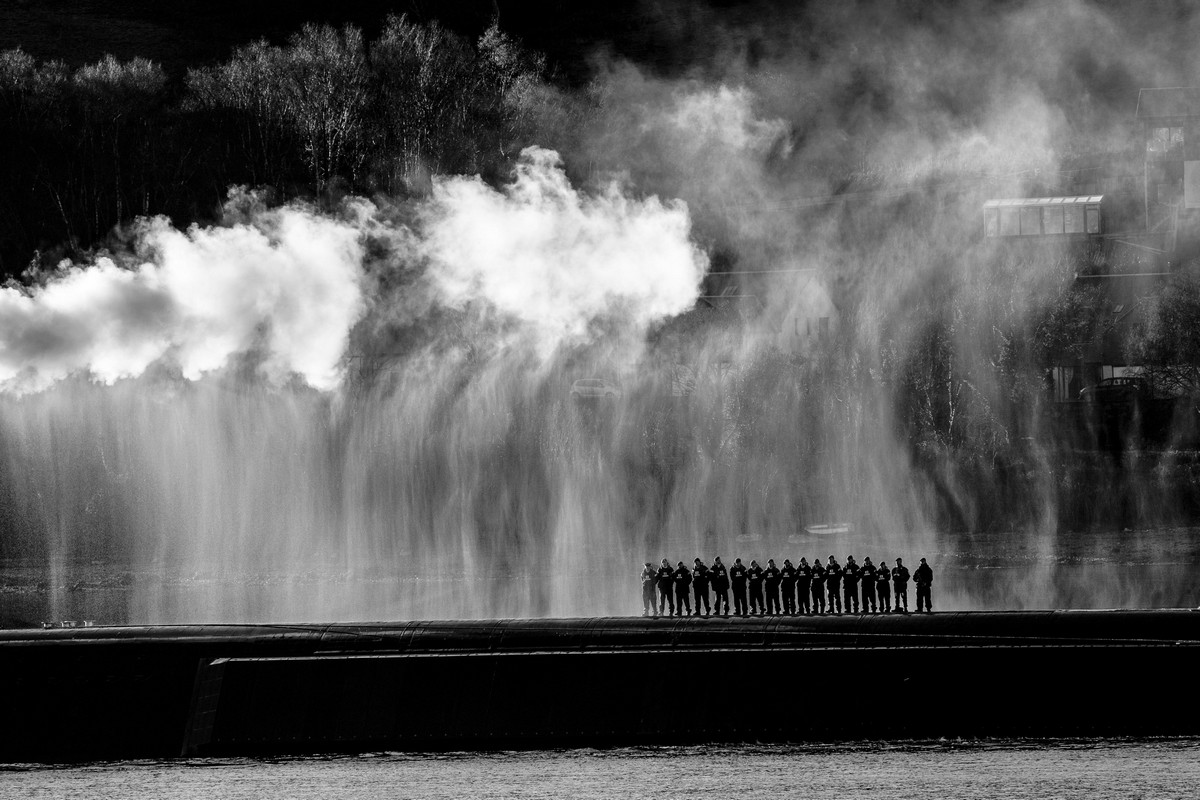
1046	770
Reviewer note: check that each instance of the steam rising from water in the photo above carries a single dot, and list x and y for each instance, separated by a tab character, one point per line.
370	414
286	285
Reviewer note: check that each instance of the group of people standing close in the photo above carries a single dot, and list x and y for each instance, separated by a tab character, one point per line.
790	590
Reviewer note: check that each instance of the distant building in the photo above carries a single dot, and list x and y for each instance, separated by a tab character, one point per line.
1044	216
1170	124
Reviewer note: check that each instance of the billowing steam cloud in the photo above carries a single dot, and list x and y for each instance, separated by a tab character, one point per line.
541	252
286	286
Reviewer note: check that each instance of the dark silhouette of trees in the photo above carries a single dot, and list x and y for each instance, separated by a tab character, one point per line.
326	113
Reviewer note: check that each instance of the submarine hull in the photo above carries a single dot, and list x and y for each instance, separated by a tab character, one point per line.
155	692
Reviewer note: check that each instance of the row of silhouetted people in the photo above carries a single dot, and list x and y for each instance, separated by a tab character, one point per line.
791	589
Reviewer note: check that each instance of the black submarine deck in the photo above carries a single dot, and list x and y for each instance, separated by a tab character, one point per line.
198	690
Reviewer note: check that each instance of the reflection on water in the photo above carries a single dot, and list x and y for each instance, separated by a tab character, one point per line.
988	770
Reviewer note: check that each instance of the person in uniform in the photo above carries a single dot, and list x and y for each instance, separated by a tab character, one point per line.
883	587
787	587
737	574
923	577
649	579
666	588
866	577
683	579
718	579
818	587
900	586
771	578
833	584
850	585
700	586
755	576
803	584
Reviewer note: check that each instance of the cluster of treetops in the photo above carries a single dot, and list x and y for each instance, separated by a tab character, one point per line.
789	590
326	113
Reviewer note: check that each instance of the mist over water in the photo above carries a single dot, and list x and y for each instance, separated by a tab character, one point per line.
373	413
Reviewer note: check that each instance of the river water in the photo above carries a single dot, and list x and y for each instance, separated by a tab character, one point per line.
1133	769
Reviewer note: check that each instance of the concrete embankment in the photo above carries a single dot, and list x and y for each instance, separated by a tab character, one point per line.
133	692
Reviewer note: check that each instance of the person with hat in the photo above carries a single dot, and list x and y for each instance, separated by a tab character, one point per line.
923	577
787	587
883	587
900	586
818	587
833	584
803	584
700	586
649	578
755	576
866	576
666	588
771	578
683	579
850	585
718	579
737	574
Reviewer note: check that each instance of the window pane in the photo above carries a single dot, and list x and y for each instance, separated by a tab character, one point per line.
1052	219
1009	225
991	222
1093	219
1031	221
1073	219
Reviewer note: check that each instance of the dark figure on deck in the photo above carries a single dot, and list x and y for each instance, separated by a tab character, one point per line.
737	574
700	586
666	588
850	585
755	576
683	581
818	587
803	584
866	574
649	579
718	580
900	586
883	587
787	587
833	583
923	577
771	578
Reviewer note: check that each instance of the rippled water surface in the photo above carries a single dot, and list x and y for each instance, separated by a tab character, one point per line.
1046	770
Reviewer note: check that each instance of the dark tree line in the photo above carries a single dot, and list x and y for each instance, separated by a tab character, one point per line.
326	113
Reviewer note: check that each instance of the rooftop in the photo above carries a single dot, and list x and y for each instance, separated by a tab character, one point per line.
1181	101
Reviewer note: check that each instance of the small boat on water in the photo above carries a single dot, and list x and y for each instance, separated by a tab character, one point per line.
831	529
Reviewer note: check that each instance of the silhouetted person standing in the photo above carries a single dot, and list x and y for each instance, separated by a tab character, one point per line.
787	587
923	577
666	588
866	576
737	574
818	587
833	583
755	576
683	580
700	586
883	587
718	579
803	585
850	585
649	578
771	579
900	586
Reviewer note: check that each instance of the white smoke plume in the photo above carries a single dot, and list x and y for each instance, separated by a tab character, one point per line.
285	286
543	253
